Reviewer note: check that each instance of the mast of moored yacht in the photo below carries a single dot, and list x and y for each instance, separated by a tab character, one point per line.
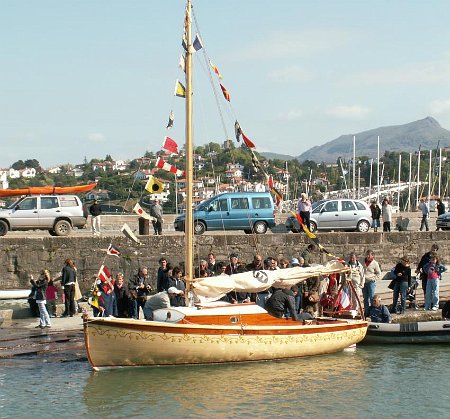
189	224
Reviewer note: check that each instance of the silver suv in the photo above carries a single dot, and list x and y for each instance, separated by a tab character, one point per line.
336	214
58	214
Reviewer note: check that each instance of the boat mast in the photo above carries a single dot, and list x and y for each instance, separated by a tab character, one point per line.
189	225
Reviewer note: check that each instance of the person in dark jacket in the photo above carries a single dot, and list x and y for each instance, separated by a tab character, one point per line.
282	300
376	213
440	207
162	275
121	294
41	288
402	282
95	210
139	288
423	261
68	280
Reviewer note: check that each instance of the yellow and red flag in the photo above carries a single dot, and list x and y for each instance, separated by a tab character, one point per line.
226	95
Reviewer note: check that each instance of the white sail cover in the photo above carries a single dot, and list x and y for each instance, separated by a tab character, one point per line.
215	287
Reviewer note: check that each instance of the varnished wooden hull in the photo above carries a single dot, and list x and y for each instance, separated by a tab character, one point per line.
44	190
124	342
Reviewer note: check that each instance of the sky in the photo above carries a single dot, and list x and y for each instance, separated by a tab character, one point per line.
86	78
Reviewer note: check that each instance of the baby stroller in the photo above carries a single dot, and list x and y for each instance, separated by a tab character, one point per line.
411	293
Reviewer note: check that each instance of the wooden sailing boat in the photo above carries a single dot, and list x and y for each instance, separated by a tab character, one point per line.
215	332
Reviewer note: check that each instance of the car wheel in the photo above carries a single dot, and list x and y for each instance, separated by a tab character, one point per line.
363	226
62	228
199	228
313	226
3	227
260	227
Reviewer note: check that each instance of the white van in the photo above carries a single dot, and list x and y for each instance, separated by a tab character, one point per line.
58	214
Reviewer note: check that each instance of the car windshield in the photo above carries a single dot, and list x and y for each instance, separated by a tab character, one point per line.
13	205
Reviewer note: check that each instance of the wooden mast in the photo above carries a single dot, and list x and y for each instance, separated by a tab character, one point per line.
189	225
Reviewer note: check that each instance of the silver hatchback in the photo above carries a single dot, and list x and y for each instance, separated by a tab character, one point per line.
336	214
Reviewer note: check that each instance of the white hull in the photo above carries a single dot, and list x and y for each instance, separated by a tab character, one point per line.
418	332
14	294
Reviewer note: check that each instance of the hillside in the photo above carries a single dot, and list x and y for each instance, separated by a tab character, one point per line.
406	138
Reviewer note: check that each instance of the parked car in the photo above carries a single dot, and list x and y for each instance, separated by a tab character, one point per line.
443	221
248	211
336	214
58	214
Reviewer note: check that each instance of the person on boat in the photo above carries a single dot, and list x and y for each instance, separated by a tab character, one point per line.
107	303
386	213
160	300
372	273
202	267
96	211
423	261
156	211
304	208
212	263
68	280
357	278
283	263
162	275
41	288
310	295
139	288
175	280
434	271
233	265
378	313
256	264
282	300
121	294
308	254
376	213
402	282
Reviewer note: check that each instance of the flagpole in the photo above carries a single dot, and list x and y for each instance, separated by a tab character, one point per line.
429	177
409	182
378	168
440	172
189	225
354	167
399	179
418	178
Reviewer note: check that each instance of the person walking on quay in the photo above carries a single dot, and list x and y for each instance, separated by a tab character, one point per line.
386	211
434	271
402	282
304	208
41	288
96	211
372	274
68	280
376	213
440	207
156	211
423	206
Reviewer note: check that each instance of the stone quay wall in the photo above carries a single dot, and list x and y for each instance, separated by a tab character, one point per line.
22	257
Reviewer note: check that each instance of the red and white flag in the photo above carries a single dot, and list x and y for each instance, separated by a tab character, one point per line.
104	274
113	251
161	164
170	145
141	212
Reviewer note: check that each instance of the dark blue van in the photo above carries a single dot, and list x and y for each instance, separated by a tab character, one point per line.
248	211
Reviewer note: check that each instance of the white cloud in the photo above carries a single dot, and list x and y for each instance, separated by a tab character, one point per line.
431	72
290	74
292	115
440	107
348	112
290	44
96	137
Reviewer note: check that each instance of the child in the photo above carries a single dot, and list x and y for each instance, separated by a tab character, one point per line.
51	296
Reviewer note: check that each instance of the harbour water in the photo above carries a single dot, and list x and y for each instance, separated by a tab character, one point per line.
368	382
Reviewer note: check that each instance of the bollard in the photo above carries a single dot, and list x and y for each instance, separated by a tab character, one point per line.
144	226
